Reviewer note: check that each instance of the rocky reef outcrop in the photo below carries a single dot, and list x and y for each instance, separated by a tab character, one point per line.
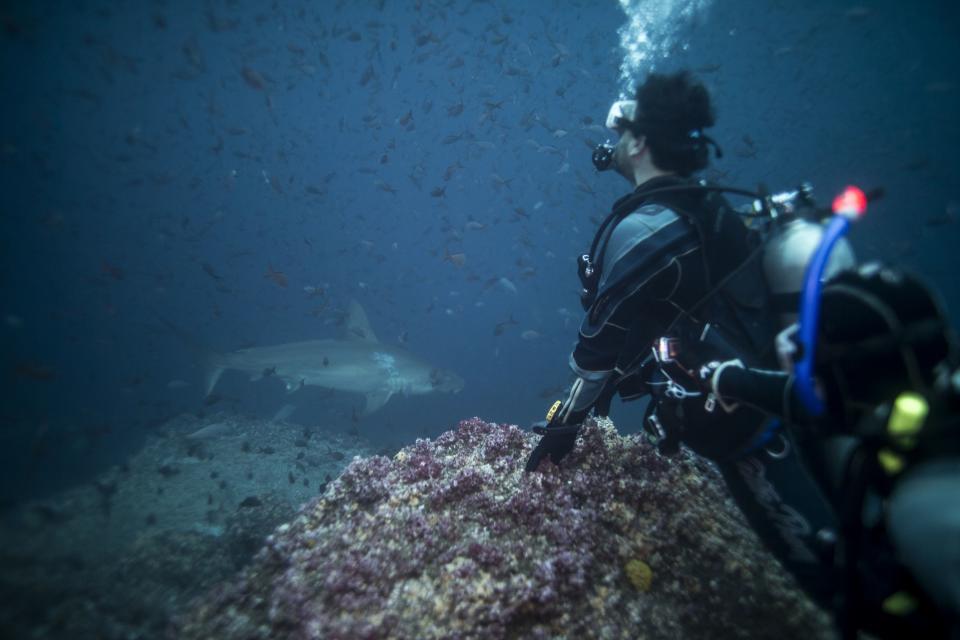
451	539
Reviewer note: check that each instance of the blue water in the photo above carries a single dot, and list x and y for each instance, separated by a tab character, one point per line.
156	159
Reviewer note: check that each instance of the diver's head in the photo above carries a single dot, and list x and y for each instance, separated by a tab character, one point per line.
445	381
661	131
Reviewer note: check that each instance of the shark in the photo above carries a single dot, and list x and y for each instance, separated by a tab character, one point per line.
358	363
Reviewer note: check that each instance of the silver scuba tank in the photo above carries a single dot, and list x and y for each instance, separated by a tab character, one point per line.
787	253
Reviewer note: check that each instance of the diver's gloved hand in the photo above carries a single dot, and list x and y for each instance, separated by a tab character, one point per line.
556	443
559	436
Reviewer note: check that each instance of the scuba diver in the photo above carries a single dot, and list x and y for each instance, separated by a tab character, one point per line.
674	258
870	400
674	264
672	252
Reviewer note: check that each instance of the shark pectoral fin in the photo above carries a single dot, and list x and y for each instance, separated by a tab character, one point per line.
214	371
376	399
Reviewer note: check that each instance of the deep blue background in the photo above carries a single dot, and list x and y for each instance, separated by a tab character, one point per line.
135	149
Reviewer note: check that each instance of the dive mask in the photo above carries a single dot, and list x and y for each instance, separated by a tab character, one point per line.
621	112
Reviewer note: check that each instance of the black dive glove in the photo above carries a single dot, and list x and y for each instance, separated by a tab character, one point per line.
556	443
558	439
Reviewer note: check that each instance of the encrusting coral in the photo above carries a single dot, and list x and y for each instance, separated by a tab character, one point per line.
451	539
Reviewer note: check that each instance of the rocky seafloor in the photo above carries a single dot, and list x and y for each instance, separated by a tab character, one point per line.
119	557
451	539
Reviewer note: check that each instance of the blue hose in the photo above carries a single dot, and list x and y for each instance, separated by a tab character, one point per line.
810	314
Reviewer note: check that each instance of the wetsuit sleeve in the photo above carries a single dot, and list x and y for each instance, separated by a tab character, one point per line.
768	391
586	390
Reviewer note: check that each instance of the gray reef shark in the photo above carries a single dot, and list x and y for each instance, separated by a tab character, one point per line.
359	364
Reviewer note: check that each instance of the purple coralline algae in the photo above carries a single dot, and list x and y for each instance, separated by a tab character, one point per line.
451	539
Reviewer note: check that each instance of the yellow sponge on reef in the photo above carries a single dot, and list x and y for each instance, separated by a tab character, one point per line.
640	574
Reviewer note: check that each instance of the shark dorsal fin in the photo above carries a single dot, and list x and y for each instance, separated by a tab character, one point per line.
358	327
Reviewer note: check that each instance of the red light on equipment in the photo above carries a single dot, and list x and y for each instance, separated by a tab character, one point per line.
852	203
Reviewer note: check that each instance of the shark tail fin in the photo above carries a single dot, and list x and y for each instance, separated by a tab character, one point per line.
213	362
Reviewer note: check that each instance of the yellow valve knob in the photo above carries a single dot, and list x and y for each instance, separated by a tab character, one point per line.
553	410
891	462
907	417
899	604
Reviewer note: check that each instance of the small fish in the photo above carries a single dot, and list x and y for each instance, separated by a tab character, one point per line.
505	283
449	171
277	276
113	271
500	327
253	78
529	335
455	110
456	259
438	192
313	291
191	51
208	269
367	75
383	186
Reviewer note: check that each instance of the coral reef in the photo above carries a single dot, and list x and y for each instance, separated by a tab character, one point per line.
450	539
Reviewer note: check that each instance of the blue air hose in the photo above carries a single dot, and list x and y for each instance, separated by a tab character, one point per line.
847	206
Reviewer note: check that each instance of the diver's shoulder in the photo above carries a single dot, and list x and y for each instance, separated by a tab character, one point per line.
644	223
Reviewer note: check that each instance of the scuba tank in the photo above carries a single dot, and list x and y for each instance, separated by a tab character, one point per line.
789	248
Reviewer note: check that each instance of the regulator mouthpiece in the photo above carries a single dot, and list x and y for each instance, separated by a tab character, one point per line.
603	156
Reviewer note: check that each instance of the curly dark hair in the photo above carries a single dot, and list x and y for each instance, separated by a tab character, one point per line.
672	110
